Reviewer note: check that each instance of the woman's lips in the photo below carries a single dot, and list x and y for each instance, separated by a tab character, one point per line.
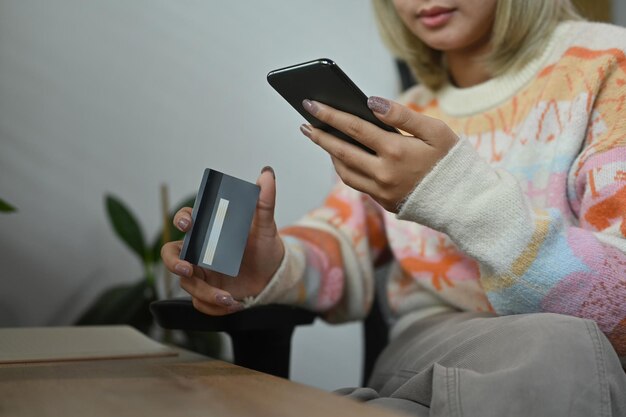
435	17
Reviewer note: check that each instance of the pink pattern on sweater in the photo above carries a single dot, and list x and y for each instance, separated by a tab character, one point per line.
597	294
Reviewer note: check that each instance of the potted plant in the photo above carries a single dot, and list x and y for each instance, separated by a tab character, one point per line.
128	303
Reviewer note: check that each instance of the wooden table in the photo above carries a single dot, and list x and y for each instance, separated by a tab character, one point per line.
184	385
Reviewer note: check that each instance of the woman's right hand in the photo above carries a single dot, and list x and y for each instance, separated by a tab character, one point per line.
218	294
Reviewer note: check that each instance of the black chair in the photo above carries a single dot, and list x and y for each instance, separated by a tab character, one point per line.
261	336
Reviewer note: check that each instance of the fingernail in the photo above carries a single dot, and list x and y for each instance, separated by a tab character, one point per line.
225	300
182	269
310	106
183	223
269	168
378	104
237	307
306	131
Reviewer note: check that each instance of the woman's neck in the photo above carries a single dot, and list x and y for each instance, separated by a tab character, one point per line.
467	68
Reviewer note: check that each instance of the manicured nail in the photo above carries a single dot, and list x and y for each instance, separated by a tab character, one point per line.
306	131
182	269
237	307
270	169
183	223
225	300
378	104
310	106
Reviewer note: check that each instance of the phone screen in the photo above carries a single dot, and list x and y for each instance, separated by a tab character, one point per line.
322	80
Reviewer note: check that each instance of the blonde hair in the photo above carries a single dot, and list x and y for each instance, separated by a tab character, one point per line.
520	32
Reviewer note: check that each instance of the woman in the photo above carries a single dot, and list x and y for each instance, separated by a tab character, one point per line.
503	204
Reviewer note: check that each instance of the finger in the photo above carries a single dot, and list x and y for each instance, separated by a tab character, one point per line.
182	219
351	155
353	178
170	254
264	215
213	310
360	130
208	299
370	185
428	129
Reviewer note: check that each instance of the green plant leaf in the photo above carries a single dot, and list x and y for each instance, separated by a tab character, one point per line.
126	226
122	304
175	234
6	207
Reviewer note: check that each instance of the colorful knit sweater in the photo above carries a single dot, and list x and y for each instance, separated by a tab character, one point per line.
527	213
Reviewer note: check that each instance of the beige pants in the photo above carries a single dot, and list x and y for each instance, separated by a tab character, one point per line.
472	364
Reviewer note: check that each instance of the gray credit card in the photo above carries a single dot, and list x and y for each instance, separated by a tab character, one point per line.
222	215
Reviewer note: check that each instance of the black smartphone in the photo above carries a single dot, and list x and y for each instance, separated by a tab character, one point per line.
322	80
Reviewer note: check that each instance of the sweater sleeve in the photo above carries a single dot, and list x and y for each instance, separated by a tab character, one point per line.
569	260
330	253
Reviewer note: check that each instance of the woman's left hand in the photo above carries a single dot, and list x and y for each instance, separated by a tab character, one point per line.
400	163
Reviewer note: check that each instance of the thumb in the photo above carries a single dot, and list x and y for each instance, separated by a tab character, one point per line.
267	198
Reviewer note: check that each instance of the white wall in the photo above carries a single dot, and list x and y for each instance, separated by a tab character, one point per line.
619	12
120	96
